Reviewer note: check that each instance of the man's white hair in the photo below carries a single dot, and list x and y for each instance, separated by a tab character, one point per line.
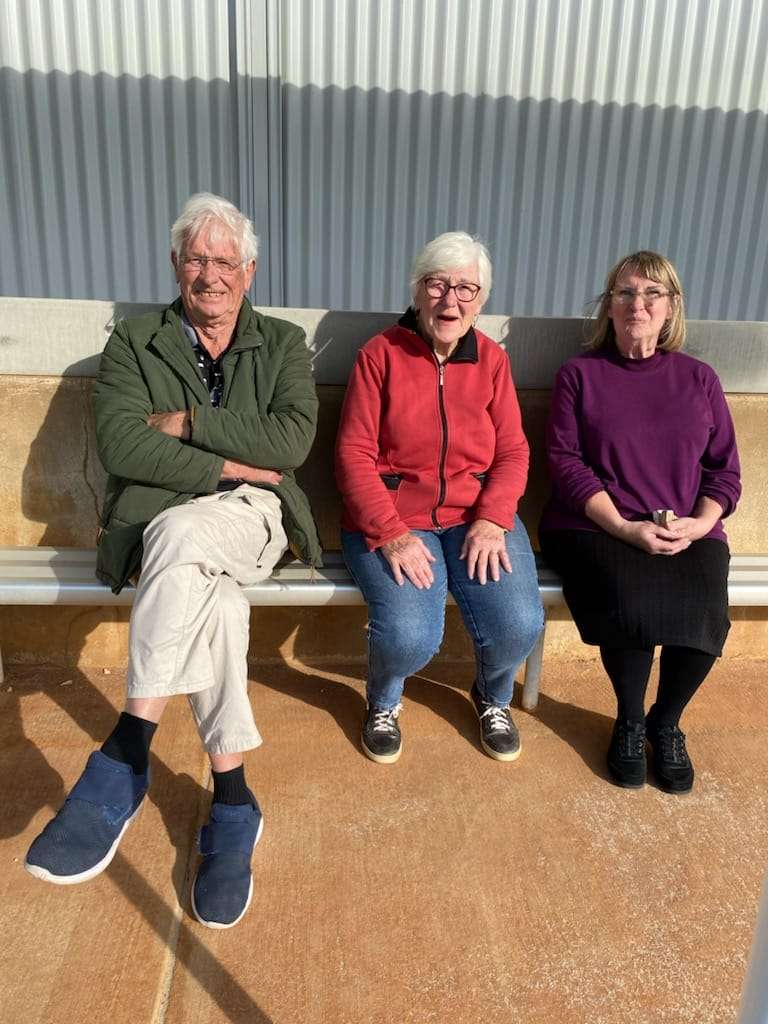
452	251
218	219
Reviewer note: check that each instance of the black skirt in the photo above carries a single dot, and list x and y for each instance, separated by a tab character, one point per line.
620	596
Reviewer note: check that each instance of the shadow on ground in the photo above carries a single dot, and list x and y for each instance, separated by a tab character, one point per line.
94	715
587	732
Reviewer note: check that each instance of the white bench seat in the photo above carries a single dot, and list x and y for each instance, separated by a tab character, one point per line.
66	576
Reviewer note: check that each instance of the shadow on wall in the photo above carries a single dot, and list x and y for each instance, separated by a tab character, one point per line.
346	185
62	485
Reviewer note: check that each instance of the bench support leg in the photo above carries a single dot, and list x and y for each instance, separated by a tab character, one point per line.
533	673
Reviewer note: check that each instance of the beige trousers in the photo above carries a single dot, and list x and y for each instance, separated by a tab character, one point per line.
189	625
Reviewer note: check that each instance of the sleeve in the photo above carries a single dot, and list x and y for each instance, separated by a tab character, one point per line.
720	470
367	501
127	446
281	436
508	473
572	478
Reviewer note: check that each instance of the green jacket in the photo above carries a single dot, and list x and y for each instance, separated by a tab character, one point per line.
267	418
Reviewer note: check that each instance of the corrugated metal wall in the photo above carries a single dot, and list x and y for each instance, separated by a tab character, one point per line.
566	133
113	111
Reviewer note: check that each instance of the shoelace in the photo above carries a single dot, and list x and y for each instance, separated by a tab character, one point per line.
631	744
384	721
672	743
498	719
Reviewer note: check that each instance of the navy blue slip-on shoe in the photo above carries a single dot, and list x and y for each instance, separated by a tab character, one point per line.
81	840
222	890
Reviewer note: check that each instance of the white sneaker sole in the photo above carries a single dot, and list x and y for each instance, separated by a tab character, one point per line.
84	876
495	753
381	758
231	924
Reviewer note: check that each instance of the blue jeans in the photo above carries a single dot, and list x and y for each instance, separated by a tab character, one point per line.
405	624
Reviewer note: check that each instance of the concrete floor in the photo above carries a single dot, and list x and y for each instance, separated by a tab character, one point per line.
445	888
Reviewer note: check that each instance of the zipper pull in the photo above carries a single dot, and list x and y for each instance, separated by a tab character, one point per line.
442	374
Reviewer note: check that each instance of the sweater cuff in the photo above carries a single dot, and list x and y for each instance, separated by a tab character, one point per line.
378	541
584	495
723	500
506	522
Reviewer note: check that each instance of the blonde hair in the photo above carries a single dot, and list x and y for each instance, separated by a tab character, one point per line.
599	326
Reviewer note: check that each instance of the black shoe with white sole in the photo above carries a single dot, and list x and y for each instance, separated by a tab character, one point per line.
381	738
499	737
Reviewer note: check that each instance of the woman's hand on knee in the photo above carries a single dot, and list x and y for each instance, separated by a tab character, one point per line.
485	550
409	557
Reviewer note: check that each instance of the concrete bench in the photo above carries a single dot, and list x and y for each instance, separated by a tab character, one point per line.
50	476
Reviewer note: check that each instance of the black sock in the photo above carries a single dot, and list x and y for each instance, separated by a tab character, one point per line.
129	742
628	669
682	671
230	788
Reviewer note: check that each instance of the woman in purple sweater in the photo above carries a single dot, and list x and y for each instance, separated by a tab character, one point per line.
644	466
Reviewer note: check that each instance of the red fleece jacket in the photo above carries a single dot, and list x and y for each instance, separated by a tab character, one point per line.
423	446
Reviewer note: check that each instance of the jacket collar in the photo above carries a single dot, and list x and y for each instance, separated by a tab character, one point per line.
465	351
172	345
247	333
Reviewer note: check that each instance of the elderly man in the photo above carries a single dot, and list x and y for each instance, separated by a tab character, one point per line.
202	413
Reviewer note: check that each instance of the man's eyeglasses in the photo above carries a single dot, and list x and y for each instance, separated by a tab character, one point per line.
198	262
625	296
437	288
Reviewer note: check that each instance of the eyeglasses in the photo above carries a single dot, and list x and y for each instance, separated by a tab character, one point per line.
437	288
198	262
625	296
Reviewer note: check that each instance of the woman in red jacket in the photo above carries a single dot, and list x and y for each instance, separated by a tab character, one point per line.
431	461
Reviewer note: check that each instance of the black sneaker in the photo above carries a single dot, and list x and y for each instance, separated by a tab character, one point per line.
671	763
626	754
381	739
499	737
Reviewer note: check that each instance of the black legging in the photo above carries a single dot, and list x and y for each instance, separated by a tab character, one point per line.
682	671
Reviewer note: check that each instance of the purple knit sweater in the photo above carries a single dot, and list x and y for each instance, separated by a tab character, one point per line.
653	433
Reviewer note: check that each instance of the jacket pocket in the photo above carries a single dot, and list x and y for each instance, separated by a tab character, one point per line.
139	503
481	478
391	480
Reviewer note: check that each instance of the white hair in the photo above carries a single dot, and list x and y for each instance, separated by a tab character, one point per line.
452	251
219	219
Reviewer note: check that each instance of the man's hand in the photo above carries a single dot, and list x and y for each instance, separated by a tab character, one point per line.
232	470
174	424
485	550
409	556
